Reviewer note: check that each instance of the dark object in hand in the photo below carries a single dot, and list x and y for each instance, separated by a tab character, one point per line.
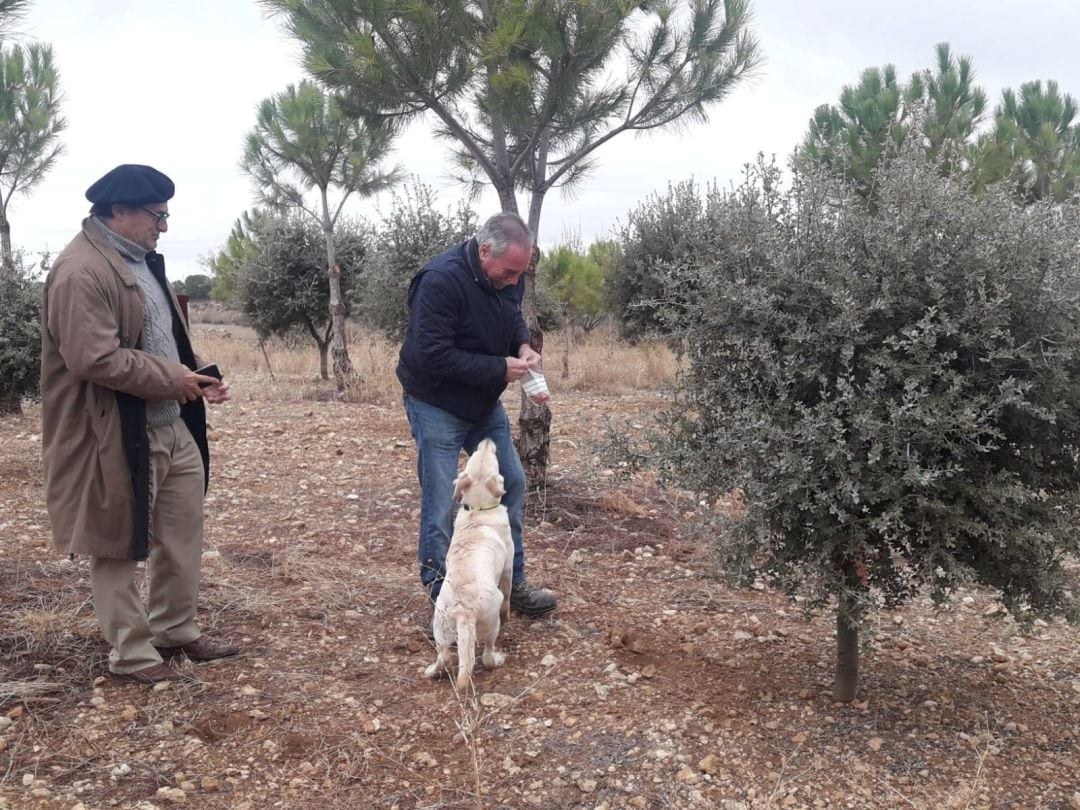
209	371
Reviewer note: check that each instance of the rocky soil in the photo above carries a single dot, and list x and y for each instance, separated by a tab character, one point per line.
652	686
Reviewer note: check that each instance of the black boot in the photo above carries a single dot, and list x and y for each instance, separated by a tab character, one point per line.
530	600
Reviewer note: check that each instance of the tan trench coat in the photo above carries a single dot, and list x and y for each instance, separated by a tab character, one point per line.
94	384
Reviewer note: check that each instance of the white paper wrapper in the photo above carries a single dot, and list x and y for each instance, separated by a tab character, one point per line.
534	384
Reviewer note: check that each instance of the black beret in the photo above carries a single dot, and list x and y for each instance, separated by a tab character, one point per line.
131	184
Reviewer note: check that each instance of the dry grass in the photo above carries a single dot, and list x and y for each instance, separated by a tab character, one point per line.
214	313
597	364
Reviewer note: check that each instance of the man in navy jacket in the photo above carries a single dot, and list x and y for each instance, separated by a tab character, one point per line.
466	340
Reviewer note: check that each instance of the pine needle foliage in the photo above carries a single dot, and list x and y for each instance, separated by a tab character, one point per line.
525	92
30	127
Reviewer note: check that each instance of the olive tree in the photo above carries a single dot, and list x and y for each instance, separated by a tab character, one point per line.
894	388
661	234
283	283
414	231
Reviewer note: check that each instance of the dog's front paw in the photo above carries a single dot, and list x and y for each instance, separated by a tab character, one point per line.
494	659
433	671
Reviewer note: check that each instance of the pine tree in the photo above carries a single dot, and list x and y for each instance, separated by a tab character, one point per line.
942	107
30	127
1034	145
522	91
303	141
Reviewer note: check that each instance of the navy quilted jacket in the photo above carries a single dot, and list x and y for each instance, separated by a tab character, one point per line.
460	330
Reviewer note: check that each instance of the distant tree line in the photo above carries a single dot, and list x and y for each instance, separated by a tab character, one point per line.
197	286
1032	143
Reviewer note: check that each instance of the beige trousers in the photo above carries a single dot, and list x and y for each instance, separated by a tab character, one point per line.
173	567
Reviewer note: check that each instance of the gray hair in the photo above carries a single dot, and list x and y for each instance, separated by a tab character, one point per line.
502	230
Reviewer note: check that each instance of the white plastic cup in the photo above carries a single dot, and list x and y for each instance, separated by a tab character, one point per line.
534	384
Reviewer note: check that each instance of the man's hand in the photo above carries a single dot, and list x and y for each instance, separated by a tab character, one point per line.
197	385
526	353
532	359
516	368
217	393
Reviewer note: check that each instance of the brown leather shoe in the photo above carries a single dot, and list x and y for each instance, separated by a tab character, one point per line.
203	648
149	675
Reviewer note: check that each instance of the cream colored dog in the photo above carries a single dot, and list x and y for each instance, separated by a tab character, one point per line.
475	596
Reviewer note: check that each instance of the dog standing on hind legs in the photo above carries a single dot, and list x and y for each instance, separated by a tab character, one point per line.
475	595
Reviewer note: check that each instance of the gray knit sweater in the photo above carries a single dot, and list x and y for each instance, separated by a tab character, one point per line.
157	332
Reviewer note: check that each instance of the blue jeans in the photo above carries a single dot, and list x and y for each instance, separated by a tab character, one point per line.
440	437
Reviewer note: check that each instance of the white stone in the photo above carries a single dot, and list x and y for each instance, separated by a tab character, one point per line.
495	700
174	795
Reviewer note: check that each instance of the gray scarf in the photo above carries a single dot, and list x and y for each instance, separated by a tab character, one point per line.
157	330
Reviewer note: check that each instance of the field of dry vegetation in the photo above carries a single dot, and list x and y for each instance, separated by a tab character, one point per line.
652	686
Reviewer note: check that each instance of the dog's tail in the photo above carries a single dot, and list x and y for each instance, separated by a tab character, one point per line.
466	648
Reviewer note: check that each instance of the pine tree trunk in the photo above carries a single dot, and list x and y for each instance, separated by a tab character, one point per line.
534	421
534	440
568	338
507	200
7	259
847	649
343	370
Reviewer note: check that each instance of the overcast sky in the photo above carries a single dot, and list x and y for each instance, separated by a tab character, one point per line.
175	83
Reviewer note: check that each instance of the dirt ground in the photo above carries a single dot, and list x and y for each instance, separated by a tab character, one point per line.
652	686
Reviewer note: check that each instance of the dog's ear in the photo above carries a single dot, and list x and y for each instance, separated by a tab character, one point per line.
495	486
461	483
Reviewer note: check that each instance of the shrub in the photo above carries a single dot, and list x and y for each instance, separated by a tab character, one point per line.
897	393
414	232
197	287
20	339
662	233
283	282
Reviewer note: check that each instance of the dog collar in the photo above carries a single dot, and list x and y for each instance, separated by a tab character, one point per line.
468	508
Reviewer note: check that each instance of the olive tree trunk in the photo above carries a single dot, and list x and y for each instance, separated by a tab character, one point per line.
323	342
849	614
846	683
339	349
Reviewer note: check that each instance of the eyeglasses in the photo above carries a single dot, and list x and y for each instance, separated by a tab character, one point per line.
160	217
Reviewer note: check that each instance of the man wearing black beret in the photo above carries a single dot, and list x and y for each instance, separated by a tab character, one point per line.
124	427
